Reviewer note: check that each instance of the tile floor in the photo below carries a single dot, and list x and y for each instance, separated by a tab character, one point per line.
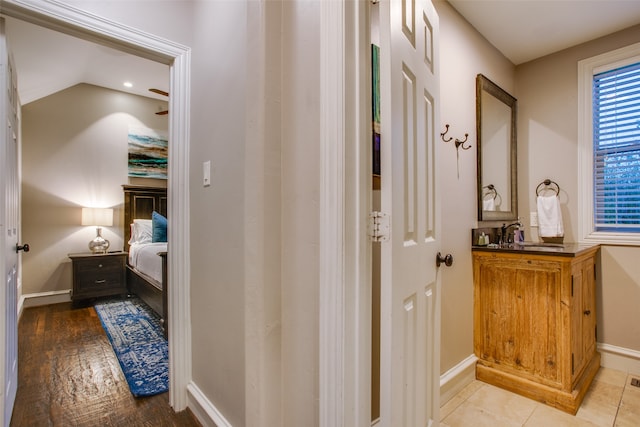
610	401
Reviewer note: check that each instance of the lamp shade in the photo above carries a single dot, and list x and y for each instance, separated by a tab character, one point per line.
97	216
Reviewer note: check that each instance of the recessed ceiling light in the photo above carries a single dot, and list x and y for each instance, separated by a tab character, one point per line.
128	84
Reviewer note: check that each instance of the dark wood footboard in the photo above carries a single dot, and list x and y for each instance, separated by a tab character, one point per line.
165	298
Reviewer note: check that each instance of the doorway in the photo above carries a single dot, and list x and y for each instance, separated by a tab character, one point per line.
103	31
76	119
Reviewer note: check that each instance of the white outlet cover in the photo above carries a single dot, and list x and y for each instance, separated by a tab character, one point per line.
534	219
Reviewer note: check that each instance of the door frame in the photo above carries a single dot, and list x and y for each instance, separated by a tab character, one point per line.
76	22
345	202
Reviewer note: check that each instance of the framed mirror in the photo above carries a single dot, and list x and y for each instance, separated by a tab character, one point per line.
496	131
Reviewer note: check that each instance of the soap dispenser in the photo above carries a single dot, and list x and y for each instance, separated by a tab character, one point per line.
483	240
518	235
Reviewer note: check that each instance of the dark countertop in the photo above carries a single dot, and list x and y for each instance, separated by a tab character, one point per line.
535	248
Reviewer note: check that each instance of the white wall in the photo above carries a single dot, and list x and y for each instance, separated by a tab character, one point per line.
74	154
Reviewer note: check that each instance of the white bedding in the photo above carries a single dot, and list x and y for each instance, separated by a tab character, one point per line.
144	258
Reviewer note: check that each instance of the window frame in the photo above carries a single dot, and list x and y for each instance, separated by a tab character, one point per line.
587	68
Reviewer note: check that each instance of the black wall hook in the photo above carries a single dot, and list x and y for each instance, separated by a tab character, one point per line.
457	141
461	143
444	133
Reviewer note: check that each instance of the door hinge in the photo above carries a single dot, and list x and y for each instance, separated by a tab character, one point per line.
378	227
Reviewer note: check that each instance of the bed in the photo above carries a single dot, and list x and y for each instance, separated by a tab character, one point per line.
147	261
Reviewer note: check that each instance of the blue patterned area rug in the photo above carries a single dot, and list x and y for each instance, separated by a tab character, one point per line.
136	337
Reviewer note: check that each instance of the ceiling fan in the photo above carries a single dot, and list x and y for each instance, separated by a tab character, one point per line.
163	93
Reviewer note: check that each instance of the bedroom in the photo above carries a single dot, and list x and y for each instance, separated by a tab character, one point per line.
59	181
74	155
65	168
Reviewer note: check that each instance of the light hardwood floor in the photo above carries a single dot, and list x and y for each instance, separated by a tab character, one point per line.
610	401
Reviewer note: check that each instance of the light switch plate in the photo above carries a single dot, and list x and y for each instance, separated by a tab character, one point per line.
534	219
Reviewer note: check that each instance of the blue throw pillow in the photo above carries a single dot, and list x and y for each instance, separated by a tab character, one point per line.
159	227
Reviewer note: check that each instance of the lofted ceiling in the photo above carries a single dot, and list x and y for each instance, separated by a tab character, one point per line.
524	30
48	61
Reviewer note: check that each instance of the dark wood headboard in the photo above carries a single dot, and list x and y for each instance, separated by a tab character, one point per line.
139	203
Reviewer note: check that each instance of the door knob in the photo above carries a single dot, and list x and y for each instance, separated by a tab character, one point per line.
24	247
447	259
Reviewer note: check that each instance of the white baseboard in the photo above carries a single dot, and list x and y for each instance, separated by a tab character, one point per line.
43	298
613	357
451	382
619	358
206	413
457	378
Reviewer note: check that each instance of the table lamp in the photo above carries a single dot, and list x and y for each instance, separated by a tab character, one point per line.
98	217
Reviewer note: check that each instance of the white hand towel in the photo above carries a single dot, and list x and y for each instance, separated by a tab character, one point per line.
549	217
489	204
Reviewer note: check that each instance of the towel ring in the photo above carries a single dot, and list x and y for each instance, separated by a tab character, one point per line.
491	191
547	183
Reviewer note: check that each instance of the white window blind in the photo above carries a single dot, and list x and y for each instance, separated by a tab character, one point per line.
616	150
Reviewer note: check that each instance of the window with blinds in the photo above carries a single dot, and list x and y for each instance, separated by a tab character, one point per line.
616	149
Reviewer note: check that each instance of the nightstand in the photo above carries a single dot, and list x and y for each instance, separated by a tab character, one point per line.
98	275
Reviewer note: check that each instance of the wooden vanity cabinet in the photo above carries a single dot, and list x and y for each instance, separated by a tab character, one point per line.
535	324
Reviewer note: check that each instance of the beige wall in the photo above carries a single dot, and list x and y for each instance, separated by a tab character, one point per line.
263	211
300	212
219	115
74	154
618	297
463	54
547	92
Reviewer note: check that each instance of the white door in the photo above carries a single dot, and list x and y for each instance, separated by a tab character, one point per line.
410	294
9	210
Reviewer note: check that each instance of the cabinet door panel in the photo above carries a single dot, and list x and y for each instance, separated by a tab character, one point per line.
577	348
583	340
589	308
497	314
538	323
519	313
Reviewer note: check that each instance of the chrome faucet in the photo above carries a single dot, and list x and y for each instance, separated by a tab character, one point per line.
504	238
